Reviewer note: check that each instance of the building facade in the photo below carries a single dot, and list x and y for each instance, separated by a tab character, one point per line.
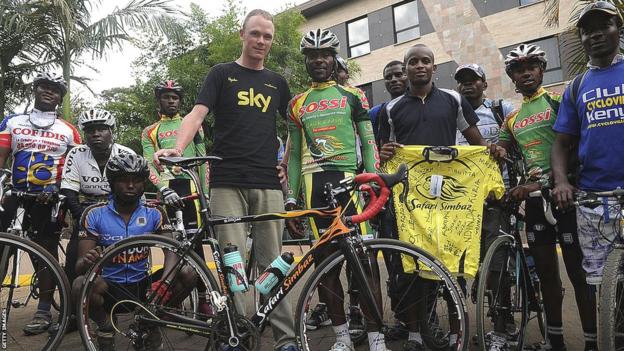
374	32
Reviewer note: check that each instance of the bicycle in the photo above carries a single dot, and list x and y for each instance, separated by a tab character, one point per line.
226	329
611	313
508	289
22	263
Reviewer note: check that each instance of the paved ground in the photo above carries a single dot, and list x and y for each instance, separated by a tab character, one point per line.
573	331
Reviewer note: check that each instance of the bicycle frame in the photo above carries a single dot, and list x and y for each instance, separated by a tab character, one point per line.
338	230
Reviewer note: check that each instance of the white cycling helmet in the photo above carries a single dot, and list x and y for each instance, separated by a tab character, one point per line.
96	116
53	79
523	53
319	39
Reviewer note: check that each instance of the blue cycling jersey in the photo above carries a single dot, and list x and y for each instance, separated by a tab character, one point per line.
102	223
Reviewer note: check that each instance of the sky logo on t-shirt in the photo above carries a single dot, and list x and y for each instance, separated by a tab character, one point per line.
250	98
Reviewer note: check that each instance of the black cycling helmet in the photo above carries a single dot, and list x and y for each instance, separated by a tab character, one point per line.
125	163
53	79
168	85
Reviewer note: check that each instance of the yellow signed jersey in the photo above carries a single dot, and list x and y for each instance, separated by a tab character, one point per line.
444	207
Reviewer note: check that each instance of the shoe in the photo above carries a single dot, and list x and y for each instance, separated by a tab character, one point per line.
356	322
289	347
398	331
71	327
318	318
340	346
40	323
153	340
412	345
105	340
496	342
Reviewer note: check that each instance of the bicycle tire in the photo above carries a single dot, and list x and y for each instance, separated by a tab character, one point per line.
154	243
35	252
312	340
505	243
611	317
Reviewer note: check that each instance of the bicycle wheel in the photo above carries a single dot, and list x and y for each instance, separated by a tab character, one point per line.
111	312
611	318
21	261
502	308
419	300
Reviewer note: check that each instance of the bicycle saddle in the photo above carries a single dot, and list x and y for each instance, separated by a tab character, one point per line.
187	162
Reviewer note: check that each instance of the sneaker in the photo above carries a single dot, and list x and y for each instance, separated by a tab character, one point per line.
496	342
40	323
71	327
340	346
398	331
412	345
105	340
356	322
318	318
153	340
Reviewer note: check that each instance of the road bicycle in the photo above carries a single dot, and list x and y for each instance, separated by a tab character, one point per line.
23	264
138	317
508	289
611	312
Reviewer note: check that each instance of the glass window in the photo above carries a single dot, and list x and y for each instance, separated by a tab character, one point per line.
357	32
406	21
528	2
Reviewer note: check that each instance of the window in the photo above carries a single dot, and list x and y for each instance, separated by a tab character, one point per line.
357	36
368	91
528	2
406	22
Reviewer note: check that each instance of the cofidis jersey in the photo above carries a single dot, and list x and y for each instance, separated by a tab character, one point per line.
597	117
38	153
444	207
245	104
102	223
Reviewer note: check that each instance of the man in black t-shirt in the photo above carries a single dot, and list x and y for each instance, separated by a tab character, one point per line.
245	98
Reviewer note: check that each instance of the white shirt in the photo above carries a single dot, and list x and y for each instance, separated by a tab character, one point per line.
82	174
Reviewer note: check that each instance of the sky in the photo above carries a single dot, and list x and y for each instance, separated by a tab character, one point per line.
115	70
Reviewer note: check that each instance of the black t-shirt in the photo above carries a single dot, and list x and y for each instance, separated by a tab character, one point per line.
245	104
433	121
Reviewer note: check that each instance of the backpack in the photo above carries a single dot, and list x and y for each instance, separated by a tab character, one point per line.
575	85
497	111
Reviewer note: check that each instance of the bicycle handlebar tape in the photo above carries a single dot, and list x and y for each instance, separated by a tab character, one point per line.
375	206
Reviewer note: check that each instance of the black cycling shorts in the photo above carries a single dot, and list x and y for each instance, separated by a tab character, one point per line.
539	232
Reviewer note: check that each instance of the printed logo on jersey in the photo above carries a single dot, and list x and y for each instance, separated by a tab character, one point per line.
167	134
232	80
270	86
136	254
325	145
451	189
323	105
253	99
604	106
536	118
141	221
39	169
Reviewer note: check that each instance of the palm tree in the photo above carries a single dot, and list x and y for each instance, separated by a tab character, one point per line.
24	36
570	39
75	34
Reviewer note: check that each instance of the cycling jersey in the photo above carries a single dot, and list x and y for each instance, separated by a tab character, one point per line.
38	153
82	173
162	135
102	223
321	127
444	207
531	128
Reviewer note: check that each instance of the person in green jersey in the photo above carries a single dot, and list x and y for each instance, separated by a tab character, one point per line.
323	125
530	128
171	182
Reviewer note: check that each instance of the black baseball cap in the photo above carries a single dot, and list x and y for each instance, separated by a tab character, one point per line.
599	6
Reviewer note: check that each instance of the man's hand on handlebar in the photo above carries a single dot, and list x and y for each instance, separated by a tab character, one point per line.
521	192
497	152
563	194
294	225
92	256
388	150
171	198
48	195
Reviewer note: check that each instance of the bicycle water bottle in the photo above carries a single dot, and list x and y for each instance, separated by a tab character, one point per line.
235	269
274	273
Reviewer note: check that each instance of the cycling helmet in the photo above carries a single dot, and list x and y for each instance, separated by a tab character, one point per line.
168	85
126	163
319	39
524	52
53	79
96	116
341	64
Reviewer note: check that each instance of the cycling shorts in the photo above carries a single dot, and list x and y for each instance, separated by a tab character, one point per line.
539	232
315	197
136	291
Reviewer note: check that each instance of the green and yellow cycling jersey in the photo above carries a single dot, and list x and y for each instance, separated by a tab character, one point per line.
323	124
